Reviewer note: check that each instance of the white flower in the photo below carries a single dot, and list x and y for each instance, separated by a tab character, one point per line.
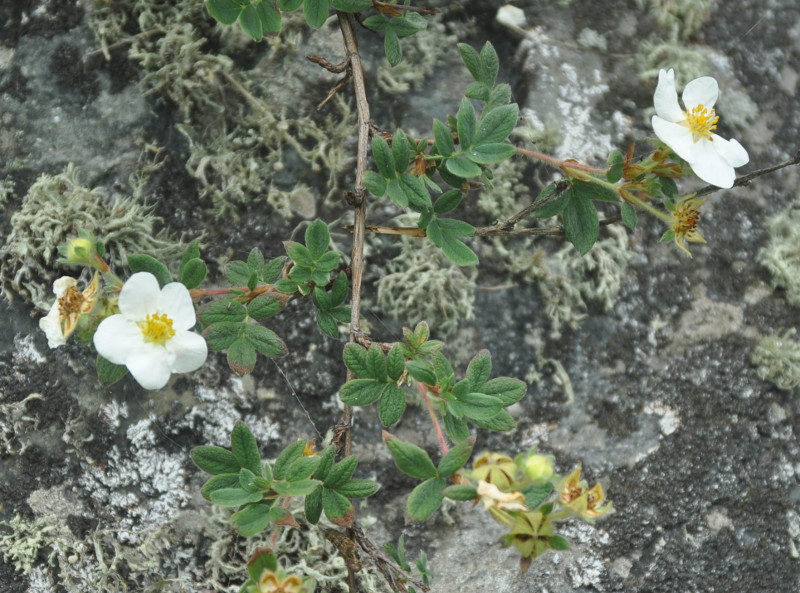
690	133
66	311
150	335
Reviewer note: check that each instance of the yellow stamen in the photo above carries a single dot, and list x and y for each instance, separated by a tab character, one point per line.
686	218
157	328
702	122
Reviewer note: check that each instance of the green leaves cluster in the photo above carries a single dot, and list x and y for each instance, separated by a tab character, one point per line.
474	399
242	479
396	25
231	323
463	148
414	461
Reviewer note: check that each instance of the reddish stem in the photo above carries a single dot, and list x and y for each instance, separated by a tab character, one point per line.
558	163
434	419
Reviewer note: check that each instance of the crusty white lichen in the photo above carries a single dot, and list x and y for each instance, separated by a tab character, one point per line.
781	254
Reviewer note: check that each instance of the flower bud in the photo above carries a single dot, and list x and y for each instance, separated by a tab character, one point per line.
539	468
80	250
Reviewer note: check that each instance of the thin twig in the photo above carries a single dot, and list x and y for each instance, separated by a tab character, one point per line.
746	179
400	7
335	68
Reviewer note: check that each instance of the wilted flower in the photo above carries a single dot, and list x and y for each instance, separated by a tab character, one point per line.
494	468
530	534
67	309
690	133
151	333
683	224
585	502
494	498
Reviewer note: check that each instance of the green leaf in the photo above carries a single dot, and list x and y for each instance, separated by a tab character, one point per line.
233	497
313	505
193	273
263	559
263	306
341	472
498	96
397	193
392	405
218	483
478	406
422	371
363	392
264	340
479	369
466	121
376	184
536	495
443	138
245	448
220	336
269	16
241	356
456	228
456	457
326	263
327	324
376	363
414	189
462	166
505	389
496	125
499	422
558	542
254	518
615	166
326	463
351	5
250	22
225	11
358	488
586	190
288	456
395	362
554	206
581	224
272	271
456	428
668	187
490	64
487	154
108	372
297	488
229	311
339	289
302	468
316	12
629	215
238	273
448	201
457	252
335	505
472	60
376	22
355	359
460	492
409	458
318	239
392	47
478	90
400	151
425	499
142	262
215	460
408	24
383	157
288	6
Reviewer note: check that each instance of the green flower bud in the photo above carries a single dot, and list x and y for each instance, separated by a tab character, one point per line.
539	468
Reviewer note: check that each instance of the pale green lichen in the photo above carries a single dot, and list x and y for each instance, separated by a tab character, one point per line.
421	284
781	254
683	18
55	208
654	56
569	284
777	359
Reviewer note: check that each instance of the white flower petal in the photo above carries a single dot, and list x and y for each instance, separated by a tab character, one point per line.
61	285
50	324
701	91
666	97
711	166
116	337
176	302
149	366
731	151
677	137
139	296
190	351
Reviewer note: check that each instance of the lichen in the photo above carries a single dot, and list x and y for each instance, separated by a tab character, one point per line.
777	359
682	18
781	254
55	208
653	56
421	284
569	284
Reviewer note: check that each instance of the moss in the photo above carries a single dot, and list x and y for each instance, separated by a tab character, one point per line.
421	284
55	208
781	254
777	359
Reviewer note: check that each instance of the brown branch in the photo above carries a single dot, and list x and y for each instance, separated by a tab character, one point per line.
335	68
339	86
396	9
746	179
388	568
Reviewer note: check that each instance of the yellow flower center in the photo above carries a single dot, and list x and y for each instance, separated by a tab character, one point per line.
157	328
71	302
702	122
686	219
